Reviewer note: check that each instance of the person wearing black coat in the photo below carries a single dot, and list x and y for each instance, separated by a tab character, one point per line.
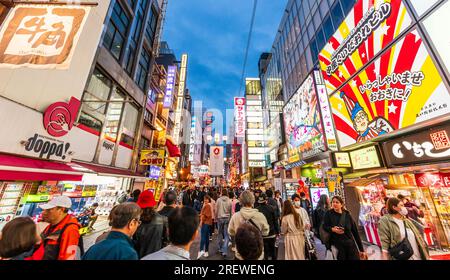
274	227
322	207
344	232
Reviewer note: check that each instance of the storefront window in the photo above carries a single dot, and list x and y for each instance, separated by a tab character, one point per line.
129	124
98	90
113	116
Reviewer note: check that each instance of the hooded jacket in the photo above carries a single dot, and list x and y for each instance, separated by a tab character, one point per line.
223	207
246	214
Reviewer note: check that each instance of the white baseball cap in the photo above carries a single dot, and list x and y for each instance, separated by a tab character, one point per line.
58	201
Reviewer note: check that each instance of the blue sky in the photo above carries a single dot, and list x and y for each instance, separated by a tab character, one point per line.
214	34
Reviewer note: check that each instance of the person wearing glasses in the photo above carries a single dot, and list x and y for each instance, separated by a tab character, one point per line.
124	220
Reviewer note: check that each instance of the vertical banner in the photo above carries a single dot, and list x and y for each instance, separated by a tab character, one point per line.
239	114
170	86
216	164
180	99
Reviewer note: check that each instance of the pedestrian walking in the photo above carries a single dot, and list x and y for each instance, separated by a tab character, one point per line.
170	201
183	230
249	215
249	243
305	203
223	210
134	196
124	220
151	235
61	238
234	201
322	207
274	228
296	201
279	201
414	211
292	228
19	240
344	233
213	198
400	239
206	221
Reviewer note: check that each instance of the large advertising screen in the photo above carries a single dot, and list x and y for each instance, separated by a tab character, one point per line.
401	88
369	28
303	128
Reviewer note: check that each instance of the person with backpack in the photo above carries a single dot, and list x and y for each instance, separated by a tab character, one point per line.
124	220
61	238
248	214
344	236
274	228
292	228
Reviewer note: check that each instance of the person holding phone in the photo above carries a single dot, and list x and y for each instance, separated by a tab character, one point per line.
344	232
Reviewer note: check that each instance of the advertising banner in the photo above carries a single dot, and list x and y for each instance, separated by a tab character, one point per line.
399	89
152	157
170	86
239	114
370	26
154	172
423	147
365	158
342	159
216	161
41	36
303	128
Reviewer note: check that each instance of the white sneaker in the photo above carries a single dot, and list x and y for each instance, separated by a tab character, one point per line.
201	254
206	254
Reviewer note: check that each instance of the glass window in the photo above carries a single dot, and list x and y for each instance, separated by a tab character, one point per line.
129	124
150	31
328	29
317	20
320	39
91	122
324	8
148	116
113	116
143	68
337	15
116	31
98	89
347	5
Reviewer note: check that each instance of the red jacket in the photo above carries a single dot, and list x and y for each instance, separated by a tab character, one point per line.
60	242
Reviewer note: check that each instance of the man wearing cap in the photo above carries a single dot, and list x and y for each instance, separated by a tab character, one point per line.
61	237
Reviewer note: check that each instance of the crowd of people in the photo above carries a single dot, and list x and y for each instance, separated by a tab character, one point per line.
252	222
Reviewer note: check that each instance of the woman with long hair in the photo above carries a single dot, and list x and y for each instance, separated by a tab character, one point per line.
344	232
293	229
322	207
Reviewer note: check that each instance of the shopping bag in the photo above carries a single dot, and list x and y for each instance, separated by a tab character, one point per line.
330	256
310	248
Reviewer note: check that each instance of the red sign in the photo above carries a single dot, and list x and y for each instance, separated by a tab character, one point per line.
216	151
435	180
60	116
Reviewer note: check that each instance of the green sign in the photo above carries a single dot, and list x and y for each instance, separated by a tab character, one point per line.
38	198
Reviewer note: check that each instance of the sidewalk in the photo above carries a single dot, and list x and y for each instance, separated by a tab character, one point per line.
99	227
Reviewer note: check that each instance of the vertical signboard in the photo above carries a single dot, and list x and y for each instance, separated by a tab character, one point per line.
180	99
216	161
170	86
325	109
239	114
192	138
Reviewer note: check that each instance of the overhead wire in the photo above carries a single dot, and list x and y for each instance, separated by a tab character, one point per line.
255	4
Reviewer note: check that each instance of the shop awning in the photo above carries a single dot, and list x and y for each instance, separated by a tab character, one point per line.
17	168
105	170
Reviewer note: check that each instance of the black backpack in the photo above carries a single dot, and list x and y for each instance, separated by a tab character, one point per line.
52	252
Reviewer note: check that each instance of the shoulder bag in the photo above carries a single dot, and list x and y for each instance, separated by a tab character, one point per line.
403	250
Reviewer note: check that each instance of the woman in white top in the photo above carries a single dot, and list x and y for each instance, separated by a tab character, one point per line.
303	213
392	231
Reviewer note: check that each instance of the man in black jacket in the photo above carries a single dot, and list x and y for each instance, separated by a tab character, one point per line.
170	199
274	229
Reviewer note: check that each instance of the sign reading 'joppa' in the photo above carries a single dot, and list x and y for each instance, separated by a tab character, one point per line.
45	147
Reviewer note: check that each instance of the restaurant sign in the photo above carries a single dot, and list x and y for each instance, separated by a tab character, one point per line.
423	147
365	158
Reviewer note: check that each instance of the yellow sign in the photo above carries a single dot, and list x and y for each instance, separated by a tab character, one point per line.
342	160
333	179
152	157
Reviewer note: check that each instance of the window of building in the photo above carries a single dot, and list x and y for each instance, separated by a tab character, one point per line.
145	144
98	89
132	3
336	14
130	124
90	122
116	31
143	69
328	28
150	31
148	116
113	116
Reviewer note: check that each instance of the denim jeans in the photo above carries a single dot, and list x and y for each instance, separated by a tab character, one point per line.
204	237
223	234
